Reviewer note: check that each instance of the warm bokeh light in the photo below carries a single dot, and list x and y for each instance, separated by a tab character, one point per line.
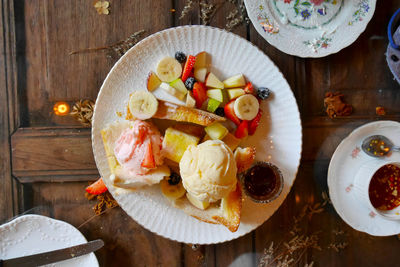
61	108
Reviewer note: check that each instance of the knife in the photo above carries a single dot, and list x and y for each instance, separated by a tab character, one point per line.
53	256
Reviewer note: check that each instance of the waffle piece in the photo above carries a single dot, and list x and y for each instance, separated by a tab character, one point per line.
244	158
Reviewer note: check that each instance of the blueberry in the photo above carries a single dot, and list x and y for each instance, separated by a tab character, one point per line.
263	93
189	83
220	112
180	56
174	179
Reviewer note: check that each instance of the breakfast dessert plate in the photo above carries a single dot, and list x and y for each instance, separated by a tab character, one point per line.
278	138
310	28
344	165
32	234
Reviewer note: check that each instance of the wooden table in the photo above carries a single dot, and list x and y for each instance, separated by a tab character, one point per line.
46	160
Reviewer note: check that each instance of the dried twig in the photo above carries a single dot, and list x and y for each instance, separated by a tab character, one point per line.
116	49
82	111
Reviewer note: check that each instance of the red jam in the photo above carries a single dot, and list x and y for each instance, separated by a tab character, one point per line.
384	188
262	182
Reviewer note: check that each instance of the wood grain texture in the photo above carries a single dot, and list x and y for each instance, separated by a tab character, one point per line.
53	154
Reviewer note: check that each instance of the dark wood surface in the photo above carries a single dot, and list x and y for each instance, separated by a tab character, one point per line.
46	160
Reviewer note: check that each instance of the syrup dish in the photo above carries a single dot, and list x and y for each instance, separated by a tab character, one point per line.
217	118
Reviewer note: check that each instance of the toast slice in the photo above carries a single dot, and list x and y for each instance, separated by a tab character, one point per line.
119	177
170	111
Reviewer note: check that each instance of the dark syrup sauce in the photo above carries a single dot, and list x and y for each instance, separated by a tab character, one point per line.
261	181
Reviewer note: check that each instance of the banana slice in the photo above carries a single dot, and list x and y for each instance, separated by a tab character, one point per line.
172	191
143	105
169	69
246	107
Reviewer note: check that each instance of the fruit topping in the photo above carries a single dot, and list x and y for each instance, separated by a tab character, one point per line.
200	74
263	93
153	82
176	142
199	93
246	107
174	178
189	83
187	70
242	130
216	131
142	105
201	60
231	141
235	81
180	56
148	159
235	93
97	187
255	122
197	203
212	105
220	112
215	94
249	89
230	112
172	91
190	101
168	69
213	81
179	85
172	191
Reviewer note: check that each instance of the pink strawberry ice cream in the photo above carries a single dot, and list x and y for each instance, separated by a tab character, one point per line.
132	148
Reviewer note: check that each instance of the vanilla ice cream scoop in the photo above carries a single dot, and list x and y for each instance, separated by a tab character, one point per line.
208	170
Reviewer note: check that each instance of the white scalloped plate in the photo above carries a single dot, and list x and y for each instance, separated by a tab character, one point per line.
345	162
32	234
278	138
310	28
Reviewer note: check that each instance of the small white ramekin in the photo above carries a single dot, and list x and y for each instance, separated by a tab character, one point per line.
361	186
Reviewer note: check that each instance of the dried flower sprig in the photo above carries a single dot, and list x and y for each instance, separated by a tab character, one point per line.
189	6
207	12
115	50
82	111
102	7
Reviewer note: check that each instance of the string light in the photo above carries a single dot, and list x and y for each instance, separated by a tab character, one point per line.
61	108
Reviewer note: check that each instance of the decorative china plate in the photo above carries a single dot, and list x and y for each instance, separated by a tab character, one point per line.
32	234
310	28
343	167
278	138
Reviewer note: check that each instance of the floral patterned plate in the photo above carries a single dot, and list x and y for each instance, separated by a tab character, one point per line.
310	28
345	163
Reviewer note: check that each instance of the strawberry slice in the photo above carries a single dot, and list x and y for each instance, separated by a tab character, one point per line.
97	187
230	113
242	130
187	70
249	89
199	93
148	160
255	122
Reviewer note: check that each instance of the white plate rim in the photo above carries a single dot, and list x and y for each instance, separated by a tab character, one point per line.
332	188
46	219
302	52
260	51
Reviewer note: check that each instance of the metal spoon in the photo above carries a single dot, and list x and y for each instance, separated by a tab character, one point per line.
378	146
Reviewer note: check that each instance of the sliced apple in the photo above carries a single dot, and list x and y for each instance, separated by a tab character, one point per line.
235	81
197	203
153	82
213	81
172	91
212	105
216	94
179	85
190	101
200	74
216	131
235	93
201	60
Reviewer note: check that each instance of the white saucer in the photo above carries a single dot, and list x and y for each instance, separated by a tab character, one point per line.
32	234
343	167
